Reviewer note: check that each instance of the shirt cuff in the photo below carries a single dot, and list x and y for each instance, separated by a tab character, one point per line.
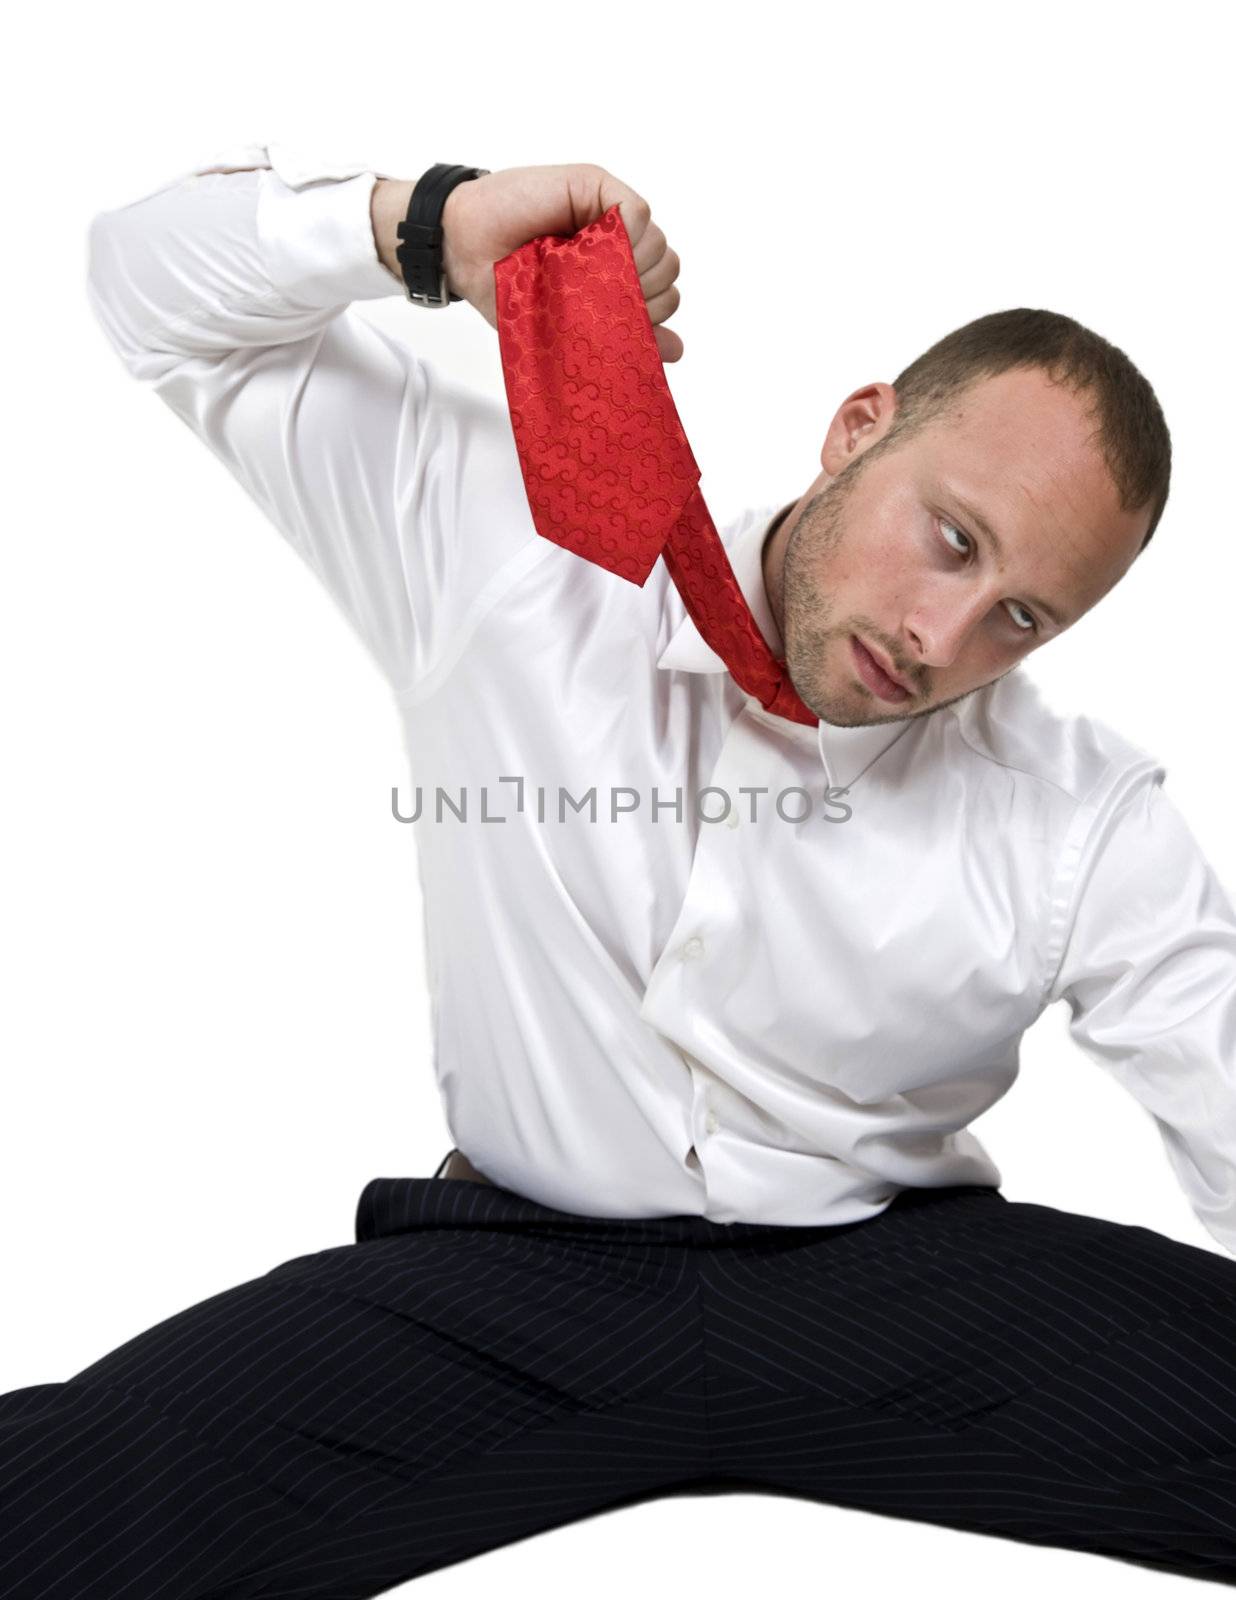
314	226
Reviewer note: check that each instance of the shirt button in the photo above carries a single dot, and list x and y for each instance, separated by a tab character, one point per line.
693	947
711	1123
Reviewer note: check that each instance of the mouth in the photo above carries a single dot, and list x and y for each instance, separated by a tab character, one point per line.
875	675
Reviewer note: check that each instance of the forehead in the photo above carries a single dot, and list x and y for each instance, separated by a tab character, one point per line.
1020	425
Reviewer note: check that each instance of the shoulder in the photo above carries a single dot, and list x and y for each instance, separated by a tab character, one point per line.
1012	724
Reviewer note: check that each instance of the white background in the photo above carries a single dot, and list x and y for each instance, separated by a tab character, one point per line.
215	1028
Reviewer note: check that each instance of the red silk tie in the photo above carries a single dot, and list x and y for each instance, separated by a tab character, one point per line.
606	465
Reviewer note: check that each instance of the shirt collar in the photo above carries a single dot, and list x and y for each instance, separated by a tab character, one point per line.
845	753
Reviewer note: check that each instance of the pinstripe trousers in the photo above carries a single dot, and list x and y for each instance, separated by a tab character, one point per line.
478	1367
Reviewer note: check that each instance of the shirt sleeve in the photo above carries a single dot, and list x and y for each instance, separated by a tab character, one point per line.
229	292
1149	975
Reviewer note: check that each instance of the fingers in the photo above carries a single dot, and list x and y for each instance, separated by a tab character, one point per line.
657	265
635	210
663	305
657	280
654	260
649	247
662	299
669	344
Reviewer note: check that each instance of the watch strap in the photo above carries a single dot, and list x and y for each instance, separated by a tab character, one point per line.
420	233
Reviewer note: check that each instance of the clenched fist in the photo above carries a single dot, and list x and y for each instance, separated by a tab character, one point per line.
486	218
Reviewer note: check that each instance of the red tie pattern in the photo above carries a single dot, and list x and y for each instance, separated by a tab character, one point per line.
605	461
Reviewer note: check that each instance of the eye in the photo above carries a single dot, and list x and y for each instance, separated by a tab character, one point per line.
951	527
1029	626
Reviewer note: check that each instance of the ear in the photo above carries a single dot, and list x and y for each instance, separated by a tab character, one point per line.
862	419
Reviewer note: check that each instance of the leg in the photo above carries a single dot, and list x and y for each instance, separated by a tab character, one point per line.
997	1366
462	1376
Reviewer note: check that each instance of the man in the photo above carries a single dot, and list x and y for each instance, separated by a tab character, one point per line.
716	992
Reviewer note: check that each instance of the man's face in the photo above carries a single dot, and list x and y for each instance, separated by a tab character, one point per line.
894	550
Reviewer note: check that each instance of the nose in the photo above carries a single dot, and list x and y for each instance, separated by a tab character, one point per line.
939	629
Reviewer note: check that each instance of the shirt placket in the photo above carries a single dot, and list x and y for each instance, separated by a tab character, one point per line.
681	986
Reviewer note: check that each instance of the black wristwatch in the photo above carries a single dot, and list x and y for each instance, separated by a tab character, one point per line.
420	253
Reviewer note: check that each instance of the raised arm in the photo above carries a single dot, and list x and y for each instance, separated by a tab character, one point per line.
230	291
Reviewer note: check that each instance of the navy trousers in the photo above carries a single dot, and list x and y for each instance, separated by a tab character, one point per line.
478	1367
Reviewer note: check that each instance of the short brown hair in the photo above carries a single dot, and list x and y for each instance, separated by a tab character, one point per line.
1131	430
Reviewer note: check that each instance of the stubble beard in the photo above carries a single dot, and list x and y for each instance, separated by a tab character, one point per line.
810	627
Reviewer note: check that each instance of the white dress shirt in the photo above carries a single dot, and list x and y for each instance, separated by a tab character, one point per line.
783	1016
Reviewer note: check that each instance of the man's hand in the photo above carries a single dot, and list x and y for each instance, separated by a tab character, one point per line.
486	218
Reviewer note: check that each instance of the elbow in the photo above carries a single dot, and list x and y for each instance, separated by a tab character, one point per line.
113	292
